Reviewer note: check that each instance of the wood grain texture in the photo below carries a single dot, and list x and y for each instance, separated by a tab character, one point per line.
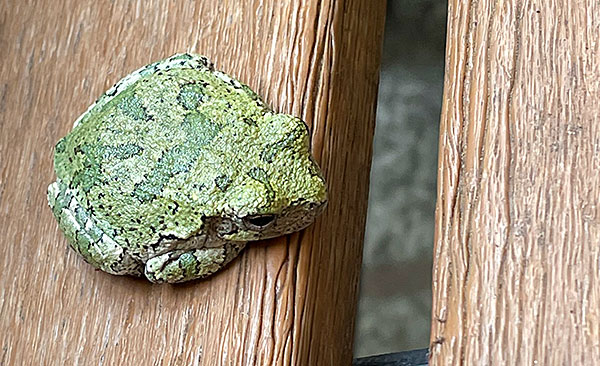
517	254
288	301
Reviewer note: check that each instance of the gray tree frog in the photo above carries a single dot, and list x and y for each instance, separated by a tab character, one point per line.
175	168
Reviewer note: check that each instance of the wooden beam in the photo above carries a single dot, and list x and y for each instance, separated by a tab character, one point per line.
517	254
287	301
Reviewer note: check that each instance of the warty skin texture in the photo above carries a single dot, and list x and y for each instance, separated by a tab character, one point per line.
175	168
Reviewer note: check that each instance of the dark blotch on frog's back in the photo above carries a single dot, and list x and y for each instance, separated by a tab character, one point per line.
132	107
259	174
199	131
222	182
191	95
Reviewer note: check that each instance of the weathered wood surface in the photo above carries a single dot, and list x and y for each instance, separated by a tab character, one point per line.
517	254
288	301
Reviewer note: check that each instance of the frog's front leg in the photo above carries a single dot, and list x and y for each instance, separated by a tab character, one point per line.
185	265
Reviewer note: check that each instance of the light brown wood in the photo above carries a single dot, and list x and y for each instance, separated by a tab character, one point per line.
289	301
517	253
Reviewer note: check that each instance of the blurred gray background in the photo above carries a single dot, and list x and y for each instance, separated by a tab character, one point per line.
395	290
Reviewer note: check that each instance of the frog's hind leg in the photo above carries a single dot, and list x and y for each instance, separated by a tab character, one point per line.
85	237
185	265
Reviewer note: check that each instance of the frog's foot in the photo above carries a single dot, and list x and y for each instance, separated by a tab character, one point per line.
86	237
185	265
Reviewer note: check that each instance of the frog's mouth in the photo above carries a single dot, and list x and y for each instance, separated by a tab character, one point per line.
269	225
296	217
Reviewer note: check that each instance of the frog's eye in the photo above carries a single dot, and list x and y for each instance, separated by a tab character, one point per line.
259	222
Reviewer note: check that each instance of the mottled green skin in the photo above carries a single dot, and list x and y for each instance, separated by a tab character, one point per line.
175	168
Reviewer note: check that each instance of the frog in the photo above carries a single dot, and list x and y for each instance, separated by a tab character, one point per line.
175	168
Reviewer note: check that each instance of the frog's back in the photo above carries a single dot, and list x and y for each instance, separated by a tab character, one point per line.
157	123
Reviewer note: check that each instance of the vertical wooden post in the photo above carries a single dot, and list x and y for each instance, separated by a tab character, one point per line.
288	301
517	255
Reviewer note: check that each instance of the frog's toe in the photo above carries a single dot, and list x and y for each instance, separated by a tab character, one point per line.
186	265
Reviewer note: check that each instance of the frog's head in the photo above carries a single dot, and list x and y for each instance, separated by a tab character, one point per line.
282	189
